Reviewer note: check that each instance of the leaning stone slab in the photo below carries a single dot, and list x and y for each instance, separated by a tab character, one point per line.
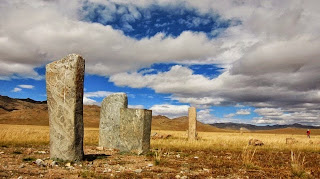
192	132
109	132
135	130
64	82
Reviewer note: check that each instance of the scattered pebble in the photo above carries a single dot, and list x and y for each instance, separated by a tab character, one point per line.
178	156
99	148
40	162
138	170
67	164
20	177
206	170
184	177
1	152
150	165
177	176
196	157
122	168
107	170
53	163
41	152
22	166
70	168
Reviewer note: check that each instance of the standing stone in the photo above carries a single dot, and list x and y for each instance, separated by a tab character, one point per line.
64	82
135	130
109	132
192	132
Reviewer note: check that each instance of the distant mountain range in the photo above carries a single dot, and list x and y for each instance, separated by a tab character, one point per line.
238	126
31	112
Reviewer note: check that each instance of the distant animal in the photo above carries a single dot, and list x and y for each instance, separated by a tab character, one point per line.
255	142
291	140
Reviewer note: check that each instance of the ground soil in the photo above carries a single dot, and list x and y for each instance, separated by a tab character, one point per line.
20	162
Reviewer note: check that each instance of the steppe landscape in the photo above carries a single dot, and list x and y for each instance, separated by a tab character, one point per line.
218	153
170	89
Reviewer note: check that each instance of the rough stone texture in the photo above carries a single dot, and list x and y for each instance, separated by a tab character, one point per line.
64	81
192	132
109	132
135	130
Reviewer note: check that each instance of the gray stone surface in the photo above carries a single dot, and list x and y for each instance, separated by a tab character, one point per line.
192	132
64	82
109	132
135	129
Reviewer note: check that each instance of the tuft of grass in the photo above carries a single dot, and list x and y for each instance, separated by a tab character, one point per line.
157	157
247	158
298	165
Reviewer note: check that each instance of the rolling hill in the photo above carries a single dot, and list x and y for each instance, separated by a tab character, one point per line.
31	112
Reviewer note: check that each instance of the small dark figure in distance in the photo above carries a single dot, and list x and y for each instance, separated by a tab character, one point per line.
308	133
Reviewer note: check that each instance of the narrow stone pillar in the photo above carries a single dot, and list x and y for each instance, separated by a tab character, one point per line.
64	82
109	132
192	132
135	130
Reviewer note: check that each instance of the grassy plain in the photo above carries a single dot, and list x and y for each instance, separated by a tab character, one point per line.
215	155
39	135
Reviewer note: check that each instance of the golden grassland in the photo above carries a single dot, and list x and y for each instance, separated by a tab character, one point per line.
17	135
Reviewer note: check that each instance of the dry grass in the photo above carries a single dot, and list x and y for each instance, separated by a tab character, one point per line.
234	141
247	157
39	135
298	165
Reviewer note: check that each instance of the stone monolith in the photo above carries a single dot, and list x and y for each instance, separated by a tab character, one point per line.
192	132
135	130
109	132
64	82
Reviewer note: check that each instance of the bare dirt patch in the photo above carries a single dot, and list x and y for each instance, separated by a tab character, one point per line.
20	161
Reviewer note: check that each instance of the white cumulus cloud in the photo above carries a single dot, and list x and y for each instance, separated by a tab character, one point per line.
171	111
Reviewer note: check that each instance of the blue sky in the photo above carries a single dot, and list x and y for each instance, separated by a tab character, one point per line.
219	56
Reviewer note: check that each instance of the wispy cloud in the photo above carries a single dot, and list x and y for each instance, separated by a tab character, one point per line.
20	87
26	86
16	90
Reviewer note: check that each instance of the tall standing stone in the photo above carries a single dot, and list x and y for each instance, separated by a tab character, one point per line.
192	132
64	82
135	130
109	132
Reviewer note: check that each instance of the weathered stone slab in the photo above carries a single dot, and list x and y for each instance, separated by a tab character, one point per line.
192	132
135	130
109	132
64	82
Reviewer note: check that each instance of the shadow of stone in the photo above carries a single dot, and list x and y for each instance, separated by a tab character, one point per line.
92	157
